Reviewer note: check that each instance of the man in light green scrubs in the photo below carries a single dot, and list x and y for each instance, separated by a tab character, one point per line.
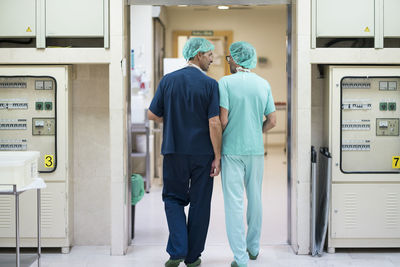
245	98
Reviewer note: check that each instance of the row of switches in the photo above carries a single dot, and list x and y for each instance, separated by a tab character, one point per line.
44	105
391	106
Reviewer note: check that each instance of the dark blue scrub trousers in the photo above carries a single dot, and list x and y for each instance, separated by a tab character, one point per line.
187	180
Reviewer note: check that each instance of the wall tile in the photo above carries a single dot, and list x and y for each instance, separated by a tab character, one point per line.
91	155
303	219
92	210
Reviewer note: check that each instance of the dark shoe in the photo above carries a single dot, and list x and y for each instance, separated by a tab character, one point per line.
252	257
173	263
194	264
234	264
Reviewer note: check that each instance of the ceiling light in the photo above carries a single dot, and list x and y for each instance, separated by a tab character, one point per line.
182	5
223	7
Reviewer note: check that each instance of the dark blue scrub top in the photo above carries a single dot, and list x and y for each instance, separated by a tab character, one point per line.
186	99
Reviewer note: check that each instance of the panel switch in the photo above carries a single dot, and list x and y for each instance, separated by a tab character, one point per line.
392	106
39	105
48	105
383	106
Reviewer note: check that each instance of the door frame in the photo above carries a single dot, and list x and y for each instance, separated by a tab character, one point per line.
289	71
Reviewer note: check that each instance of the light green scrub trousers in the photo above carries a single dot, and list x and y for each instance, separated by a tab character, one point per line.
239	173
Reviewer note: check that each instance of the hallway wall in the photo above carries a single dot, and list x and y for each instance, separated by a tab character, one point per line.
265	28
262	26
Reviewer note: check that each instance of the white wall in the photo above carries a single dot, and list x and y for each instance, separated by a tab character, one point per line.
142	41
141	38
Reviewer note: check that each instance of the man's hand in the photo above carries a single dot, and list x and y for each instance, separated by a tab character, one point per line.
215	167
216	139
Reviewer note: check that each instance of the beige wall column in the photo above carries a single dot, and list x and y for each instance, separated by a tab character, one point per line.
301	161
118	128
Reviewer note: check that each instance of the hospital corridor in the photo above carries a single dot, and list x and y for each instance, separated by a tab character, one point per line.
115	116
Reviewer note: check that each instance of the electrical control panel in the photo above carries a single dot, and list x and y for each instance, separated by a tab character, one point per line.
35	115
28	116
369	123
362	129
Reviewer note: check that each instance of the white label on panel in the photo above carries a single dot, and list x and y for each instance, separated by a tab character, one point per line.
356	147
356	106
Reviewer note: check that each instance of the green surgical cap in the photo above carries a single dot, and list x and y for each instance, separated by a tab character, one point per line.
196	45
244	54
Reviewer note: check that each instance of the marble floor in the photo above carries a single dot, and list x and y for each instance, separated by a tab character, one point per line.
148	246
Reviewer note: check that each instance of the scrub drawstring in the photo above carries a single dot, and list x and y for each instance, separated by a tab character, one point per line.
242	69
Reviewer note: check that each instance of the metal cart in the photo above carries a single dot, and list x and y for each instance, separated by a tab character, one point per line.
16	193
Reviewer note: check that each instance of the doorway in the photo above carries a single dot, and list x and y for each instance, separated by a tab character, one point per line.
221	41
269	67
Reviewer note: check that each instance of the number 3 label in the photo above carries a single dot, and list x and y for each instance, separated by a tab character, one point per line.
396	162
49	161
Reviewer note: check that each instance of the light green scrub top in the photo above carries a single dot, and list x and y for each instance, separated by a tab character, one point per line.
248	98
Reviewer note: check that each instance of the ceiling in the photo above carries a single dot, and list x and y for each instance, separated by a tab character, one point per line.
208	2
211	8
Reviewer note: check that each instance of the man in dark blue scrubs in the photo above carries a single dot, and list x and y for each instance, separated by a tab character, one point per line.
187	102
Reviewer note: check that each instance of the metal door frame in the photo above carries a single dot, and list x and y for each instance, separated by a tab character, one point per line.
289	60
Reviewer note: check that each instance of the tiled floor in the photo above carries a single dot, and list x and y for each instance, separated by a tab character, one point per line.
148	247
216	256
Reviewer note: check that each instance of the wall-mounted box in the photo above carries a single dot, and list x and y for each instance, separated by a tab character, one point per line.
17	18
75	18
56	19
391	18
345	18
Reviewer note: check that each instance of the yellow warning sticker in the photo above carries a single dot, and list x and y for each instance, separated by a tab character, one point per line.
48	161
396	162
367	29
29	29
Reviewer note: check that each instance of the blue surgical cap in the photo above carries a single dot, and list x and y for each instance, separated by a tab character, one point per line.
196	45
244	54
